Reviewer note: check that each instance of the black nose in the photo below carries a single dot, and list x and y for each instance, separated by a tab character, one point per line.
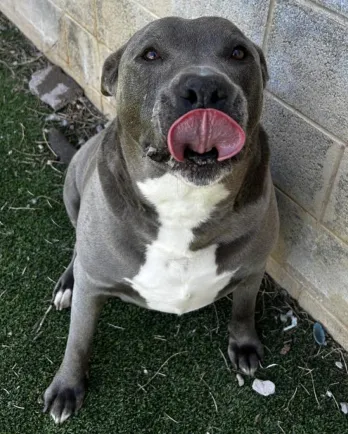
203	92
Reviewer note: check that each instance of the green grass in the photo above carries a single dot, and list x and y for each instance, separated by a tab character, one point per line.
194	387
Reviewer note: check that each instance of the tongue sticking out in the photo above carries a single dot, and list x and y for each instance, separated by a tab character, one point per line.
203	129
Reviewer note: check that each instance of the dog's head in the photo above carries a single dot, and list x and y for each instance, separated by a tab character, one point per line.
188	95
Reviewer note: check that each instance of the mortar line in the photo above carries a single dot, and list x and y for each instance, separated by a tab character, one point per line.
331	184
283	192
80	24
284	269
307	119
100	66
95	24
269	21
65	24
337	16
316	221
145	9
96	36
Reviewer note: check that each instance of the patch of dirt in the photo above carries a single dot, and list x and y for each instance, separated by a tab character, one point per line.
77	121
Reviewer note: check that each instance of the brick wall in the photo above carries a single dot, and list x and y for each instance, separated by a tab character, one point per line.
306	115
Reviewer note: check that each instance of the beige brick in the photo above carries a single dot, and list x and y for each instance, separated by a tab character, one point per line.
249	16
59	48
44	23
60	3
109	107
307	58
7	7
118	20
104	52
94	96
83	54
322	310
45	17
160	8
303	159
336	215
16	14
312	255
339	6
283	278
83	11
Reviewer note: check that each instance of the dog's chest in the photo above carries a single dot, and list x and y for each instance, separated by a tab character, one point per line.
173	278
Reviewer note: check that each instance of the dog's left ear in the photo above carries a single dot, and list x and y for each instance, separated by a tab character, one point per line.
263	64
110	72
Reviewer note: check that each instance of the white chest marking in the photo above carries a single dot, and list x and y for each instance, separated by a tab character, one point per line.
173	278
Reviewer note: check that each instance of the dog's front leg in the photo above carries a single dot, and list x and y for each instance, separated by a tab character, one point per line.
244	348
66	393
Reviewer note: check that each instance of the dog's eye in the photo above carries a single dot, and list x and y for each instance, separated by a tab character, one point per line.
151	54
238	53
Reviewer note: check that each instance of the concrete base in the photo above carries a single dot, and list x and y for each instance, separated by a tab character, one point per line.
318	307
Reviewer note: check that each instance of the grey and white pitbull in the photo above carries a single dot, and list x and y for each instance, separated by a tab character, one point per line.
173	202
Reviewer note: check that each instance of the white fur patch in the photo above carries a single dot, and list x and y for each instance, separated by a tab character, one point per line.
173	278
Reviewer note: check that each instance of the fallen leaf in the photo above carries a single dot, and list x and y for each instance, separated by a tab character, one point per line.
286	348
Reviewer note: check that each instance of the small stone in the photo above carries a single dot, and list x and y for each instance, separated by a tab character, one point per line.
264	388
54	87
339	365
240	380
319	334
344	407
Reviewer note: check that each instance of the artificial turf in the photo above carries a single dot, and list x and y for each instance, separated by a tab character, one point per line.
151	372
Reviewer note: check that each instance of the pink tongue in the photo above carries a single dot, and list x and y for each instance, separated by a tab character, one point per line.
203	129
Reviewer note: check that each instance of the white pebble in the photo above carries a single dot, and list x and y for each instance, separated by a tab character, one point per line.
344	407
240	380
264	388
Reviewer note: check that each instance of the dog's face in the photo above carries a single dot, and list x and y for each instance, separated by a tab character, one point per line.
188	95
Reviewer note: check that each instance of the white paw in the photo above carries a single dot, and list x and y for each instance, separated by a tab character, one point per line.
62	300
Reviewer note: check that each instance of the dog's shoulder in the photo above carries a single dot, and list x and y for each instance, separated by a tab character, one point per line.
256	177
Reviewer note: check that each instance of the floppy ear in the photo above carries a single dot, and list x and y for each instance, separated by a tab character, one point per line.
110	72
263	63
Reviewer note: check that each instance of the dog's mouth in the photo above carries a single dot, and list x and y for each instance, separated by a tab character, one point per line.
208	157
204	136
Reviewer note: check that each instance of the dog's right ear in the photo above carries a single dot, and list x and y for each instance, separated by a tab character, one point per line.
110	72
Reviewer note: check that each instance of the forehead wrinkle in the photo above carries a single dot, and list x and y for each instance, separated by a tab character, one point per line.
179	36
